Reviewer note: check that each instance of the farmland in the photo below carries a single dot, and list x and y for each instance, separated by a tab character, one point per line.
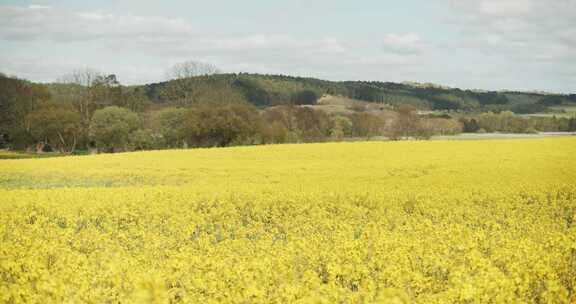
363	222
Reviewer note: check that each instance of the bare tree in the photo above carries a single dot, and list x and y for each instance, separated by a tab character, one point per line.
80	82
84	77
189	83
190	69
406	124
89	90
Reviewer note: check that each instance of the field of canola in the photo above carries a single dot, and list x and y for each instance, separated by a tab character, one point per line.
374	222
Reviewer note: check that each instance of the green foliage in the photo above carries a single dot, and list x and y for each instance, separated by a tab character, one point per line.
144	140
508	122
342	126
55	125
88	91
253	92
111	128
470	125
551	100
19	98
221	124
106	90
365	91
6	154
172	126
177	113
572	124
528	108
445	104
271	90
490	98
305	97
134	99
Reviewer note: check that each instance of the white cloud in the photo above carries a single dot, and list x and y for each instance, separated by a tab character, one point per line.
537	39
267	41
47	23
41	23
527	31
36	68
505	7
330	45
403	43
258	41
158	39
54	41
103	40
50	69
37	6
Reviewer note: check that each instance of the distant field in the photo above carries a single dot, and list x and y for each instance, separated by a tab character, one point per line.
364	222
6	154
558	115
478	136
565	111
484	136
338	104
570	111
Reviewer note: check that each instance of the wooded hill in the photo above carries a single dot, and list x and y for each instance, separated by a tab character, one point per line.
270	90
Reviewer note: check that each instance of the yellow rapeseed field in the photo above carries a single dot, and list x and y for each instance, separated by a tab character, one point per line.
374	222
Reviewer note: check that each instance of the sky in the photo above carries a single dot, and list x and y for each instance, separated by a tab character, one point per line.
527	45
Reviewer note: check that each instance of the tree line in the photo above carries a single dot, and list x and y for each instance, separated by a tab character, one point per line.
508	122
87	110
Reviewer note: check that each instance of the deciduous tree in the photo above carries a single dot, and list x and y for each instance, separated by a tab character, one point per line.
112	127
55	125
221	124
188	83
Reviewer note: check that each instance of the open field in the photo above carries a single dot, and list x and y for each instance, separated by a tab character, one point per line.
479	136
561	111
483	136
7	154
342	105
570	109
364	222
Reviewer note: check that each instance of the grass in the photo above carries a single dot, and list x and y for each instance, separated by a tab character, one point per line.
8	154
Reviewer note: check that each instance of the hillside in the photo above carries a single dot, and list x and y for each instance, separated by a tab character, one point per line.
269	90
